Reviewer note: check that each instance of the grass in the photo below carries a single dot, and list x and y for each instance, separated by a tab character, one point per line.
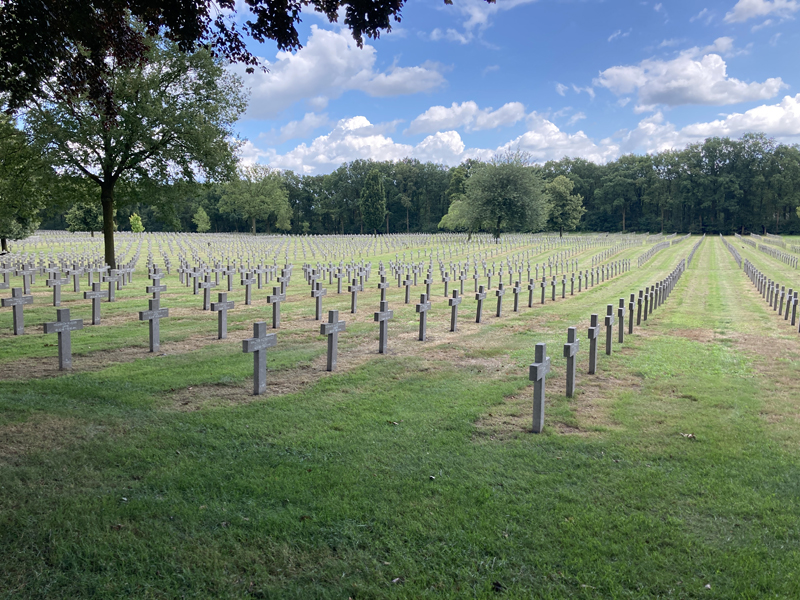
413	475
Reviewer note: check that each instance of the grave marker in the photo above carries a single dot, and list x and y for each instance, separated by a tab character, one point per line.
17	301
332	329
154	316
222	306
382	318
97	294
570	350
537	374
257	345
64	328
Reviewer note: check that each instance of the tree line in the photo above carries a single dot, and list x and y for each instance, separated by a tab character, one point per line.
721	185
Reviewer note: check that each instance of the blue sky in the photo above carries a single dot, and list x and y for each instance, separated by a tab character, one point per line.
555	78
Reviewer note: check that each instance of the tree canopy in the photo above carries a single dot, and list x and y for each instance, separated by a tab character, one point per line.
173	122
257	193
373	201
74	39
566	208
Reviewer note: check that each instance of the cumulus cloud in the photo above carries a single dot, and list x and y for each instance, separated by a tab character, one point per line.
466	115
704	14
751	9
356	138
655	134
578	116
299	129
330	64
686	80
561	89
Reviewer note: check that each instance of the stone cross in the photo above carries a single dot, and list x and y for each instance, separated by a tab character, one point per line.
428	281
318	292
639	308
247	281
275	299
422	308
621	318
382	318
64	328
56	283
570	350
594	331
17	301
26	272
206	285
609	322
407	285
258	345
222	306
96	295
332	329
157	286
446	280
572	285
553	286
454	302
111	279
382	285
354	289
531	287
480	297
516	290
154	316
500	292
538	372
631	307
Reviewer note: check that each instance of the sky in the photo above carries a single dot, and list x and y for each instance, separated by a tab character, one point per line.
581	78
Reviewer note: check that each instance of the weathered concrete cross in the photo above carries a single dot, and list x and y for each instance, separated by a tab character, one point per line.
538	372
454	302
621	319
275	299
318	292
247	281
609	322
96	295
480	297
354	289
154	316
222	306
56	282
382	318
332	329
64	328
17	301
257	345
500	292
422	308
570	350
594	331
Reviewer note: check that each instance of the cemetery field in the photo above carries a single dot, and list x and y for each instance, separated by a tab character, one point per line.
674	471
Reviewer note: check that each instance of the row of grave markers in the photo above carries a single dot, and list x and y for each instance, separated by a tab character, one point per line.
775	295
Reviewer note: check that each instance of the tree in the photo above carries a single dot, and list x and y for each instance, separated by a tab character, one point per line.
201	220
373	201
566	208
136	223
75	38
503	194
21	184
173	121
85	216
258	193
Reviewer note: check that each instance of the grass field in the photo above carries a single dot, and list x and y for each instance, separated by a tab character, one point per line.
414	474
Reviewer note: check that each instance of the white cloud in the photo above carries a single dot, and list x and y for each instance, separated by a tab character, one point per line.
451	35
490	69
687	80
467	115
588	89
578	116
561	89
773	41
758	26
300	129
704	14
654	134
751	9
358	138
330	64
658	7
670	43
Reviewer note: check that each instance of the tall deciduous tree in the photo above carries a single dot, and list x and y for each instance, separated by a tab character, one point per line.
173	119
566	208
21	184
373	201
85	216
505	194
258	193
201	221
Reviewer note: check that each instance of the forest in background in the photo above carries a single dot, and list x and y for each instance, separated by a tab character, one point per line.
721	185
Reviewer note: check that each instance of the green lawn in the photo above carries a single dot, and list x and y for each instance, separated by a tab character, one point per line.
414	474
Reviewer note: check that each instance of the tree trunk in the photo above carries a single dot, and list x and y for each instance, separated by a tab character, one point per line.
623	218
561	232
387	223
254	225
4	244
107	200
92	232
